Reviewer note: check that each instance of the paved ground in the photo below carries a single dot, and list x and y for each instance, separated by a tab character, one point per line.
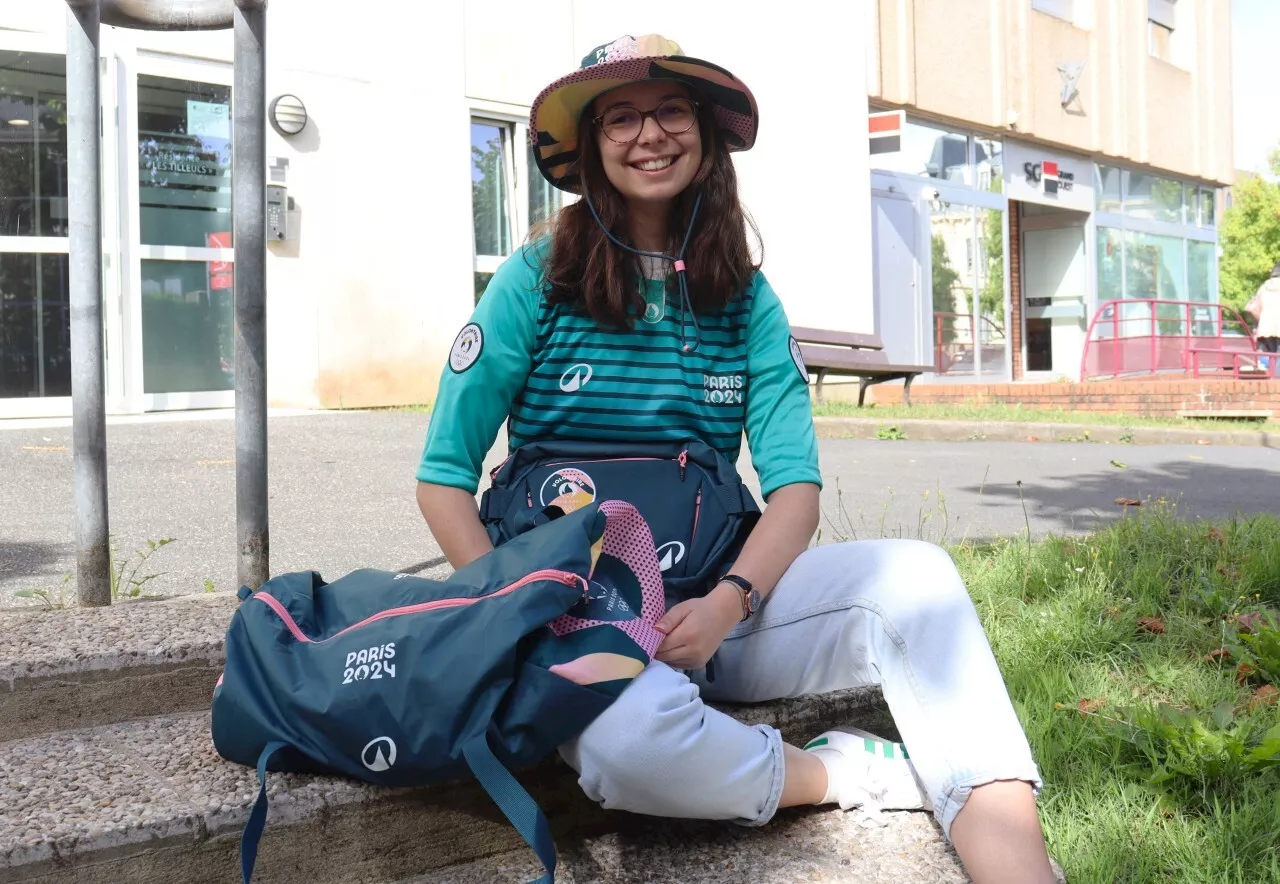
342	493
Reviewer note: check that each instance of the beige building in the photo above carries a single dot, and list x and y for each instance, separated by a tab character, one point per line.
1051	155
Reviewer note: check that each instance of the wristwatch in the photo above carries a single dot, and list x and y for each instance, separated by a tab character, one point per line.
750	595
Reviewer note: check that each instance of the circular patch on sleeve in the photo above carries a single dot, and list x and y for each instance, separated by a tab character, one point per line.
466	348
798	358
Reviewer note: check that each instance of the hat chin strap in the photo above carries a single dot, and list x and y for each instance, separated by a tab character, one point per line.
677	262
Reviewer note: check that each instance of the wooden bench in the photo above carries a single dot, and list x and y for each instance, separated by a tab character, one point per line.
851	353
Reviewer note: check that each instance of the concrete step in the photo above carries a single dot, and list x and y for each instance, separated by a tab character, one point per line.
83	667
150	801
799	846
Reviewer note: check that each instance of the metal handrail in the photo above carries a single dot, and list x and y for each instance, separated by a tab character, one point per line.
247	18
1110	313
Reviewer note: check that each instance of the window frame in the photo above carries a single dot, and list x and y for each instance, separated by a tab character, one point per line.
514	123
43	406
1059	9
514	131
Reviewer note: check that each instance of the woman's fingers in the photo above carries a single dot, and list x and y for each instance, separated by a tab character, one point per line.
671	656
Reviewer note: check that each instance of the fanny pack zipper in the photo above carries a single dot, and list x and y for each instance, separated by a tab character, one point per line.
568	578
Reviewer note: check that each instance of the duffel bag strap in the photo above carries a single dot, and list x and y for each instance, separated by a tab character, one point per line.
258	816
512	799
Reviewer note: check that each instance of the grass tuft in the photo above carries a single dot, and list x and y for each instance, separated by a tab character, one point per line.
1160	763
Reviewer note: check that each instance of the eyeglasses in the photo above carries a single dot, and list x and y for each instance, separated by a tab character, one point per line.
623	124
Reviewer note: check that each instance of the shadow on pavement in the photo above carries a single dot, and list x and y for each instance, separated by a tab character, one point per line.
21	559
1070	504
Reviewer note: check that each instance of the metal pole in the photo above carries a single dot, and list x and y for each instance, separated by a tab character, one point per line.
88	389
167	15
249	217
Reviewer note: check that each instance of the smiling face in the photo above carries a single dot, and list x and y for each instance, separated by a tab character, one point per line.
657	165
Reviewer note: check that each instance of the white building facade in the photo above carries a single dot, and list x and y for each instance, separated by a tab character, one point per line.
409	184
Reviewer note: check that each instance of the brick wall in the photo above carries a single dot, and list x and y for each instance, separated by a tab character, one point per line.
1015	288
1149	398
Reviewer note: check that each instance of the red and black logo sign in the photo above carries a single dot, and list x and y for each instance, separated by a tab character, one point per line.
1048	177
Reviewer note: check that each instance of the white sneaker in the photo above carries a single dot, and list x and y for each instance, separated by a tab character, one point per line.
868	773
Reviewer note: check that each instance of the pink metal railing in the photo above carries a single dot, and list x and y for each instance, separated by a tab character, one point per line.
1139	336
953	339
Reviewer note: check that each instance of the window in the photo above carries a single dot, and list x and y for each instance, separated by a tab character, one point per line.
1155	267
1161	21
507	198
988	164
35	308
1200	262
1208	203
929	151
1159	199
35	325
188	341
1059	8
184	162
1107	189
1110	264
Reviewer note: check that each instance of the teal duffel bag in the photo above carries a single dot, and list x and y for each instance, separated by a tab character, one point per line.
403	681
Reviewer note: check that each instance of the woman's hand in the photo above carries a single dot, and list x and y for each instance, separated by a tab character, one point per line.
695	628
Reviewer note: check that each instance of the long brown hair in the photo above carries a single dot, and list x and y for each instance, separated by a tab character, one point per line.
588	271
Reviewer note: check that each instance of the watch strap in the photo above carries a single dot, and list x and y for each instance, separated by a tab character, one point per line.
745	589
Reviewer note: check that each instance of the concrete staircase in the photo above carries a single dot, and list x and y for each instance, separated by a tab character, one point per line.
108	774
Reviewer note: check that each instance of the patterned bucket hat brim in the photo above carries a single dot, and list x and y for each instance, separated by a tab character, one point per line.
558	109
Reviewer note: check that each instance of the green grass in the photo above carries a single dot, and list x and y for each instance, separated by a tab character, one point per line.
1063	619
1016	413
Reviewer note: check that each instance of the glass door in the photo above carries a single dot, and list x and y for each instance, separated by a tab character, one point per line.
35	310
175	167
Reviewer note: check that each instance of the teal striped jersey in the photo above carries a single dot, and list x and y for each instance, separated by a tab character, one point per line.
552	373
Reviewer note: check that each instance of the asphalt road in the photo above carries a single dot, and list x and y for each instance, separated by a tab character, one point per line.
342	493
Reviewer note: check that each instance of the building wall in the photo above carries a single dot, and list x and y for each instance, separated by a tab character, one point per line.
994	64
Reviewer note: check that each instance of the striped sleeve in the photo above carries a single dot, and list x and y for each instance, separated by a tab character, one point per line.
488	364
779	423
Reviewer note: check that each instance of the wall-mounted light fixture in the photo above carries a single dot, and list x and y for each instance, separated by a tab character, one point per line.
288	115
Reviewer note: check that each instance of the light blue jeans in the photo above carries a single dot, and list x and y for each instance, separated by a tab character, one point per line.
893	613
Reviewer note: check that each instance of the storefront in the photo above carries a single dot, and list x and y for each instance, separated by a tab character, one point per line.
991	256
940	245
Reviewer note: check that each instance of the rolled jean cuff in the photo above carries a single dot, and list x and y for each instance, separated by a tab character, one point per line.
954	795
771	802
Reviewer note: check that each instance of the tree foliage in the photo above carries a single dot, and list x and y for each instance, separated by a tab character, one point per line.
1250	236
944	278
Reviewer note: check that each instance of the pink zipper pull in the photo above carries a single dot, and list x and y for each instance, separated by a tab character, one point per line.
684	461
529	497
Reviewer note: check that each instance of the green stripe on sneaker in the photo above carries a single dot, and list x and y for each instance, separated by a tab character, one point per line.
869	744
888	750
814	744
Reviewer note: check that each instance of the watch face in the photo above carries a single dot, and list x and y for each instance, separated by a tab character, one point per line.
753	599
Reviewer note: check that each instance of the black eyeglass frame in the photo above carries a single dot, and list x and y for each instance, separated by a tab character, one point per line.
596	121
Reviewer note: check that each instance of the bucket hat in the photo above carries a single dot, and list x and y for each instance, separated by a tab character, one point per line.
557	111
